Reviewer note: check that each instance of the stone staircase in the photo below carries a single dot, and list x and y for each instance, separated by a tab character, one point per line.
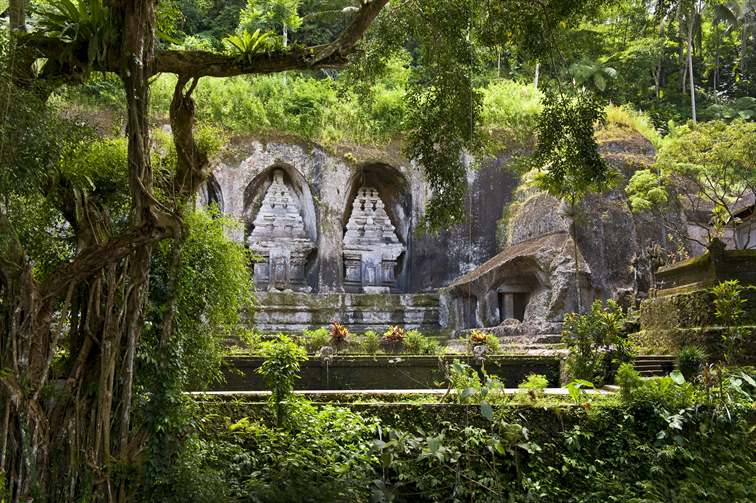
654	365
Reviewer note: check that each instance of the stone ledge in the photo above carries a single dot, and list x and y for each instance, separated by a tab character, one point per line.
294	312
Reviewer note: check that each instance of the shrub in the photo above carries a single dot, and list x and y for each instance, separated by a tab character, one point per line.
478	337
431	347
413	342
280	370
418	344
494	346
628	379
671	393
338	336
471	388
371	342
537	382
728	306
461	377
251	339
316	339
690	361
324	456
596	342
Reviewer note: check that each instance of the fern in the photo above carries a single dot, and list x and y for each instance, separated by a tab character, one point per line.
244	45
78	23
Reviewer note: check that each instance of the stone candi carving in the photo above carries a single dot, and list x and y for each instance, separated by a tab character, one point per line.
279	237
371	246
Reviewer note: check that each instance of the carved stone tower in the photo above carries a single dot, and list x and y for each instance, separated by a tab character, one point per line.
371	246
279	237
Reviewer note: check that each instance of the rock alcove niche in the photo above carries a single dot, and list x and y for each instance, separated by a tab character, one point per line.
280	228
377	223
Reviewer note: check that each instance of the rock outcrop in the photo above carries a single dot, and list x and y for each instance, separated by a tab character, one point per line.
537	261
511	265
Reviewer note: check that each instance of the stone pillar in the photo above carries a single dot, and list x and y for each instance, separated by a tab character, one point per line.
508	305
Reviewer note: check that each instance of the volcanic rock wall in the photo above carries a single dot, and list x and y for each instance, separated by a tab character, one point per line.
324	186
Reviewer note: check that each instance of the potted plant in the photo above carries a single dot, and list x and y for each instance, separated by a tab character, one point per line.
478	338
393	339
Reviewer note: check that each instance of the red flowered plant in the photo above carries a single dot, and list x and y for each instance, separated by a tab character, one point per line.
339	335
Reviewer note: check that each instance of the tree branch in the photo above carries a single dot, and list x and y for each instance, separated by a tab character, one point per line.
210	64
94	258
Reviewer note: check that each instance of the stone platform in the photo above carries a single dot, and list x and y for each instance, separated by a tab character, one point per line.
293	312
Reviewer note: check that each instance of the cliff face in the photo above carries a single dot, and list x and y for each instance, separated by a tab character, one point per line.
614	242
531	283
502	213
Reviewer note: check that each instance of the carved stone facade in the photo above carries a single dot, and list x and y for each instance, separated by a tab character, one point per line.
371	246
278	236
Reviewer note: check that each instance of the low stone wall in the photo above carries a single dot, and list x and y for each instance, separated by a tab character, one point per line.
222	410
688	310
292	312
387	372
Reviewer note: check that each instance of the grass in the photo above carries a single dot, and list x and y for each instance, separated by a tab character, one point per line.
624	117
325	111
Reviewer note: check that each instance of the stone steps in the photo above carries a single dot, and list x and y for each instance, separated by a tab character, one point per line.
654	365
324	395
293	312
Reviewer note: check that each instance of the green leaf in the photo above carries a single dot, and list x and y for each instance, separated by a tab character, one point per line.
748	379
486	410
467	393
677	377
600	82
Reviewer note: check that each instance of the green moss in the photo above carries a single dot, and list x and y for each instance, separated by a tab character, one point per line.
687	309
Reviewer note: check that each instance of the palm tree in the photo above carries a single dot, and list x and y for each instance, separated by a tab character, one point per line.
689	15
735	14
596	74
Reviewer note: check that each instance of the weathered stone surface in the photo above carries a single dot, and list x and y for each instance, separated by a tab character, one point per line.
371	246
613	253
278	236
532	279
539	270
292	312
324	186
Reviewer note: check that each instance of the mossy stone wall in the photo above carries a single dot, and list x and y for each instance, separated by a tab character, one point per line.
669	322
387	372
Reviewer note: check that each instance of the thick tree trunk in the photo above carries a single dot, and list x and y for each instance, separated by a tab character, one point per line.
98	297
17	15
104	288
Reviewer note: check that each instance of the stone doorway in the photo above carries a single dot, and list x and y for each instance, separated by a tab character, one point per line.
512	305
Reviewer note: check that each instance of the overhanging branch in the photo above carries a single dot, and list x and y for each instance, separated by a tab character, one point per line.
210	64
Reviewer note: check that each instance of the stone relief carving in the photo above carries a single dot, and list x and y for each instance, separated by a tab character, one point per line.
371	246
279	237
